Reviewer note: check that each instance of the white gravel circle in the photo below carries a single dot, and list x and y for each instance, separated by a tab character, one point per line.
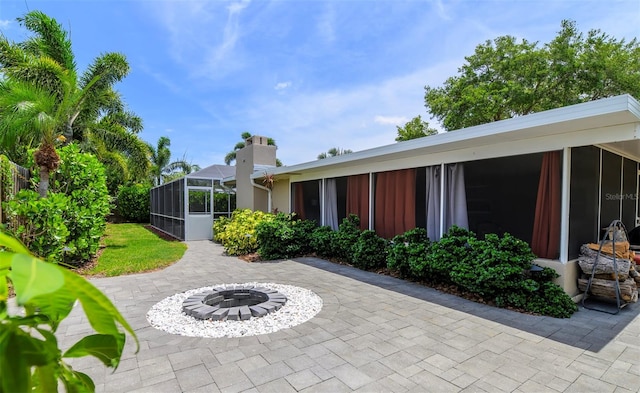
301	305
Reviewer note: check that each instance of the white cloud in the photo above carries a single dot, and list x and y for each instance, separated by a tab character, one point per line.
282	85
307	123
393	120
4	24
326	23
440	9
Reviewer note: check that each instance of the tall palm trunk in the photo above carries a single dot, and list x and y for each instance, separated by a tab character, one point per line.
47	160
43	186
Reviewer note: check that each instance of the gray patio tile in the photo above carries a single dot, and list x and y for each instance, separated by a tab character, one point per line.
252	363
501	382
433	382
193	377
586	383
301	362
227	375
269	373
351	376
303	379
277	386
332	385
387	335
166	386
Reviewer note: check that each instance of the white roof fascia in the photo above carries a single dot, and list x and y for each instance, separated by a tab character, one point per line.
605	112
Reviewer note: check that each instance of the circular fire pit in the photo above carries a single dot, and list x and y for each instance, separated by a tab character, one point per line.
235	304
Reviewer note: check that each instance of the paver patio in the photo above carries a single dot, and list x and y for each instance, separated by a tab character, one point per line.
374	334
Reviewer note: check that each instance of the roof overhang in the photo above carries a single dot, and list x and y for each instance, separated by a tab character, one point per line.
612	122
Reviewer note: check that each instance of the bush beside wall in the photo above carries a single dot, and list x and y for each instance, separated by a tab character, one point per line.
67	225
496	269
133	203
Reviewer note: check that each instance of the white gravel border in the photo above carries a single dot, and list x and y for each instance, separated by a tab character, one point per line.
302	305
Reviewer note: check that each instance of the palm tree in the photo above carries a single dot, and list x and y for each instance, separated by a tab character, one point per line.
124	155
45	65
334	151
231	156
31	114
161	167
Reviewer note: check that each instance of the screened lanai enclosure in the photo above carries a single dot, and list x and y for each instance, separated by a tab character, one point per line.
186	208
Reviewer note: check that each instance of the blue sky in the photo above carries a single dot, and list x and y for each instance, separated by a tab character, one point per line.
310	74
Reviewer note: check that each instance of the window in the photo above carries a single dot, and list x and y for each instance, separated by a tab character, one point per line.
199	202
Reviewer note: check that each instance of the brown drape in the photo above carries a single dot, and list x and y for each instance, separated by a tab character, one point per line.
298	201
546	225
395	203
358	198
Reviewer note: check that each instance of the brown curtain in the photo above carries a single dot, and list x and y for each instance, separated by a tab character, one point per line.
298	201
546	225
395	203
358	198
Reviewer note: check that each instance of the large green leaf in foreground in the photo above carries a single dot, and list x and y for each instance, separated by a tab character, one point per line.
29	355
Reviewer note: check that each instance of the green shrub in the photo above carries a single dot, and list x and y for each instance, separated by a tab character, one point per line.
321	241
551	300
132	203
238	234
81	179
451	250
370	251
493	266
407	249
40	223
346	237
498	268
284	237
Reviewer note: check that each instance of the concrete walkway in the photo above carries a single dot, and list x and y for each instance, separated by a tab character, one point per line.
374	334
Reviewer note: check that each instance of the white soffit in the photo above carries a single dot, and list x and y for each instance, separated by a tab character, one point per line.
612	111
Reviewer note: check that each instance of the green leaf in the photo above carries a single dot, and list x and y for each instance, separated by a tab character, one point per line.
32	277
107	348
34	352
13	244
56	305
77	382
102	314
44	379
14	369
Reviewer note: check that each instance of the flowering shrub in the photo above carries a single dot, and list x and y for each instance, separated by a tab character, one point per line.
238	234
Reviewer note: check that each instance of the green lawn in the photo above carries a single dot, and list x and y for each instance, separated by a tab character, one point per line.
131	248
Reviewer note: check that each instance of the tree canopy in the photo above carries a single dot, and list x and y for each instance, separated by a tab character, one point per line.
334	151
231	156
40	73
506	78
413	129
162	168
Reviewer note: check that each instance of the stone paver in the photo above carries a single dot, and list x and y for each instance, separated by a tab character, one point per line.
374	334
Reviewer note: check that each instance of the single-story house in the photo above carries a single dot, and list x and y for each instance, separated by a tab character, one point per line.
553	178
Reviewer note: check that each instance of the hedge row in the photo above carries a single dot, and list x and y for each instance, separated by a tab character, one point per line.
496	268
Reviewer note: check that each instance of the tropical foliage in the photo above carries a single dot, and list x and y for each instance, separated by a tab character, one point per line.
162	168
231	156
68	224
238	233
333	152
506	77
30	357
45	102
133	203
413	129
